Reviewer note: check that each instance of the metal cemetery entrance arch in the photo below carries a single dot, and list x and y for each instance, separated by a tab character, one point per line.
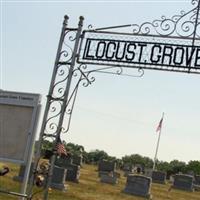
167	44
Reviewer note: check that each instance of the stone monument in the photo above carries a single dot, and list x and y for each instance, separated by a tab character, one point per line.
159	177
183	182
138	185
58	178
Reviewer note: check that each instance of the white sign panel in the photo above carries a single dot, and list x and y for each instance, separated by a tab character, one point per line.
18	117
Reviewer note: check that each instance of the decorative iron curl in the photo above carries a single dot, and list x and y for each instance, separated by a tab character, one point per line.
87	78
195	2
90	27
66	55
63	64
117	70
69	39
54	112
178	25
70	35
61	78
141	72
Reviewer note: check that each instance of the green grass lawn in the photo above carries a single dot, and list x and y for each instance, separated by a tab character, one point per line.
90	188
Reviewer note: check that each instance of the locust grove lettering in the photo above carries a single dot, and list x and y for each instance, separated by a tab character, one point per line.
98	48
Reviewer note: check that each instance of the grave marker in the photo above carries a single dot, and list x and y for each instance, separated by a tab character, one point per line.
73	173
197	179
183	182
138	185
58	178
77	160
63	162
128	169
106	166
148	172
110	178
159	177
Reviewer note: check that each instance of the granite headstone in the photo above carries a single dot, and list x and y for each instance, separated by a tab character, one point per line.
197	179
159	177
63	162
183	182
107	177
58	178
128	169
108	166
77	159
138	185
73	173
148	172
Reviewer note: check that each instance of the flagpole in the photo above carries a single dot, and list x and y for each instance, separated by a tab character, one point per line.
158	142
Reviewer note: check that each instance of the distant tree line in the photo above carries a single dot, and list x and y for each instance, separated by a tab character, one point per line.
94	156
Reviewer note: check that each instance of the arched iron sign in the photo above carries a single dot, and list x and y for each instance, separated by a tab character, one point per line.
167	44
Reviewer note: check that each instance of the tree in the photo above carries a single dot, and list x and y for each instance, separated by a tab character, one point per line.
138	159
74	149
177	166
97	155
193	166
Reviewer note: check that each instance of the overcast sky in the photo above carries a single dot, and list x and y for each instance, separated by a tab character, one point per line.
116	114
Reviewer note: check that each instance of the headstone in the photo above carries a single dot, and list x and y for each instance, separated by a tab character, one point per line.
171	179
103	173
77	160
197	179
159	177
106	166
183	182
73	173
138	185
197	182
190	172
22	172
148	172
63	162
111	179
128	169
58	178
117	174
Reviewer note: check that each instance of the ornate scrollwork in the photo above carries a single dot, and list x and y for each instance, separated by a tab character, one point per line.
87	77
195	2
61	78
90	27
54	112
59	85
118	70
179	25
63	64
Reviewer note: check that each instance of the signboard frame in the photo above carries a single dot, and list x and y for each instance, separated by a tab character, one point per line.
22	99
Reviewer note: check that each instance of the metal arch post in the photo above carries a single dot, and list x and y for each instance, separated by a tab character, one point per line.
63	108
48	103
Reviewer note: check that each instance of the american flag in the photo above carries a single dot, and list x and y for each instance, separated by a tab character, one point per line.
61	148
159	125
